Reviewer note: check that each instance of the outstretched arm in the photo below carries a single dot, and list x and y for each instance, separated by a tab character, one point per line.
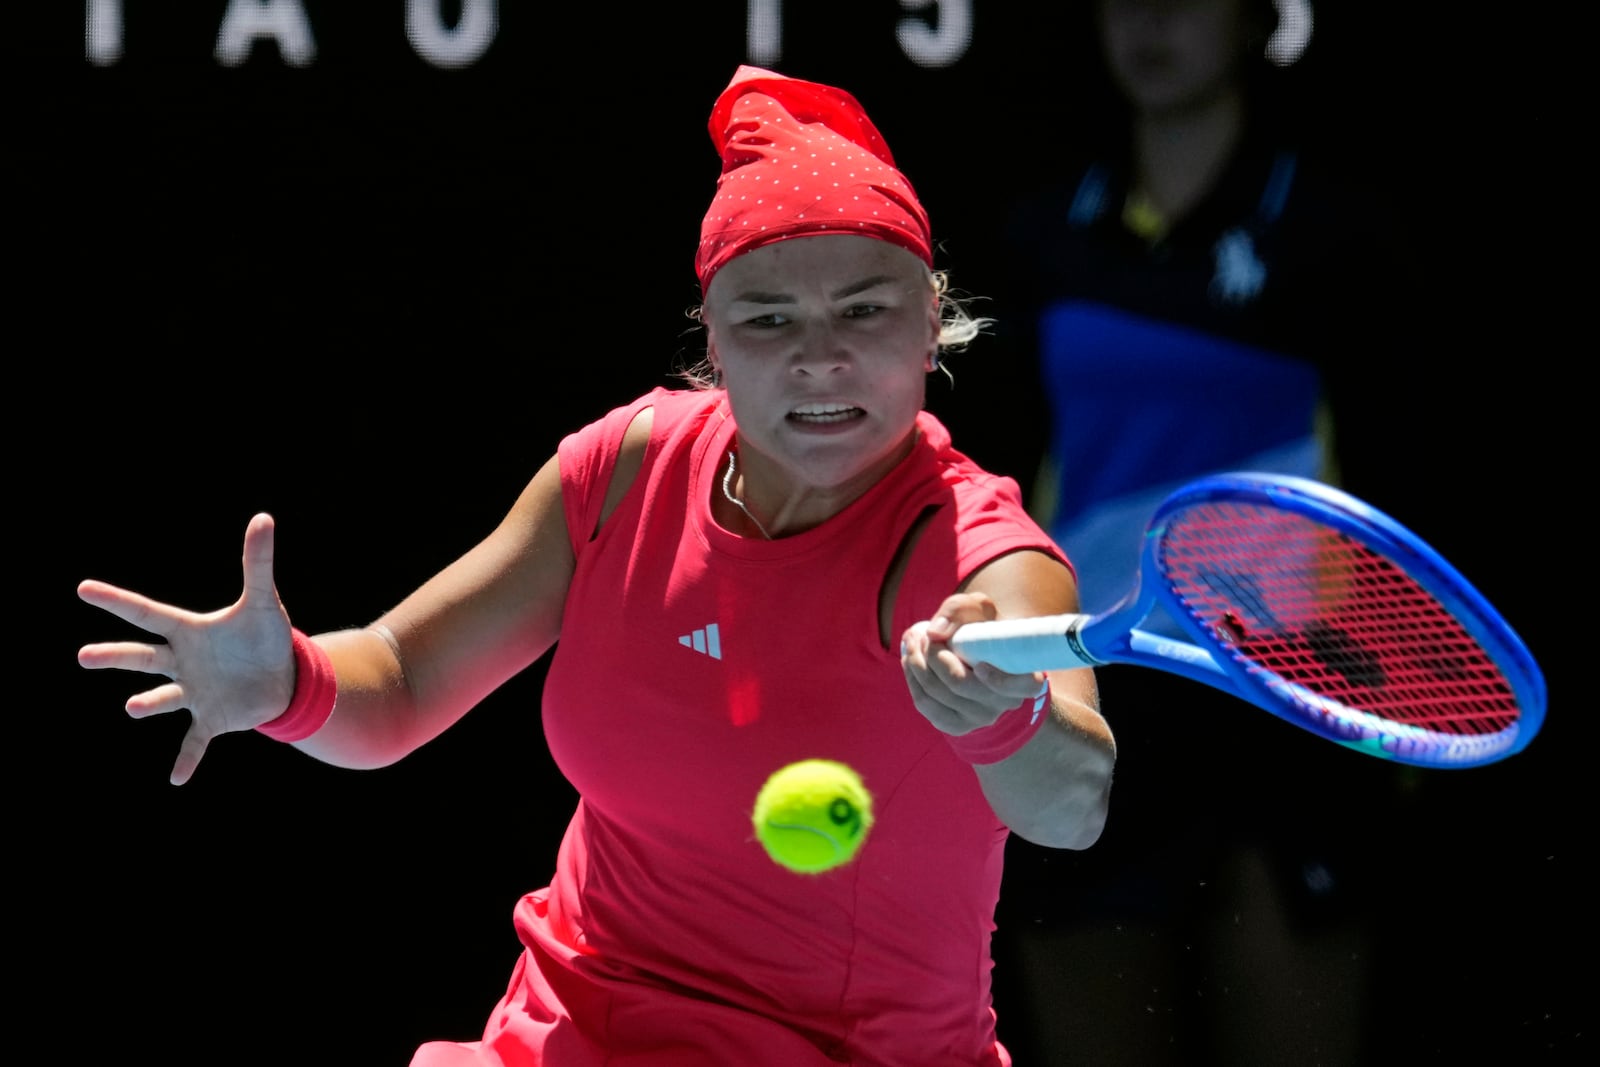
1055	789
425	663
401	681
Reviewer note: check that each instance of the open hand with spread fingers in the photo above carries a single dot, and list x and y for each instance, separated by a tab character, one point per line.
232	669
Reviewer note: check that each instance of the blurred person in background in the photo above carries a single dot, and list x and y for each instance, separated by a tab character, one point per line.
1200	288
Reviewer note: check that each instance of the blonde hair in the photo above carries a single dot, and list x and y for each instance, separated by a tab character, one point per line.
958	328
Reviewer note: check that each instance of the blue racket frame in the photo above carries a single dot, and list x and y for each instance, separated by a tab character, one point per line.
1368	526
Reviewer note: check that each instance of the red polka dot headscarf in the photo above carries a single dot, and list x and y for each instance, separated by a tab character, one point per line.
800	159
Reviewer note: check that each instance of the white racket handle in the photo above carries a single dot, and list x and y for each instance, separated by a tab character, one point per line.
1020	646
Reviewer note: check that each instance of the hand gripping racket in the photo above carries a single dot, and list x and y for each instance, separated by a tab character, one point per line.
1314	606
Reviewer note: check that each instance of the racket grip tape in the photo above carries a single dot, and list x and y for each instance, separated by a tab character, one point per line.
1020	646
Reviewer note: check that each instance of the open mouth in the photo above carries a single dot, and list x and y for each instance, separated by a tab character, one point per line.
826	414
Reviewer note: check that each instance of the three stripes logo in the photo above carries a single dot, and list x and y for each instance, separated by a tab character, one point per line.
707	641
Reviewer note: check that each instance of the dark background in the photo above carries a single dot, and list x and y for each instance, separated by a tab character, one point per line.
369	295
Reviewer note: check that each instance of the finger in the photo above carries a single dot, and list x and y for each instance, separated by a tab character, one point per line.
946	682
259	539
933	658
933	706
130	607
959	610
983	692
956	669
189	755
914	645
927	692
1016	687
127	656
158	701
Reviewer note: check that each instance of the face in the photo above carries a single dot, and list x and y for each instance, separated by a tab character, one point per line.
1168	55
823	344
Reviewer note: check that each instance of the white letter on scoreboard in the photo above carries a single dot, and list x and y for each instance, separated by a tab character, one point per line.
445	47
102	32
282	20
941	44
763	31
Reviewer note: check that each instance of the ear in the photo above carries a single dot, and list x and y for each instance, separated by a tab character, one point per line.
932	362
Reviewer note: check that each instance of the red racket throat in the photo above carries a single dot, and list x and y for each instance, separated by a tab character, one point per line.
1334	625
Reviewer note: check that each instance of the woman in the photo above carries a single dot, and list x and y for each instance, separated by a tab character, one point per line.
733	573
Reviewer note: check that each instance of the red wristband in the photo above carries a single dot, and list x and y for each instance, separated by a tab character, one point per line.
1006	735
314	690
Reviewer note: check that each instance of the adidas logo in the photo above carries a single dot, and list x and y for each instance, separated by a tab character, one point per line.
707	641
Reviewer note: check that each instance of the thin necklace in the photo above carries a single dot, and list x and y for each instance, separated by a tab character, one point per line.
727	491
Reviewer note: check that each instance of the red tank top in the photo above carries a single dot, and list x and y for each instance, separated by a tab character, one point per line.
693	662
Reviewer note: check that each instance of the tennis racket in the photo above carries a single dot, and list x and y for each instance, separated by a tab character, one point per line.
1313	605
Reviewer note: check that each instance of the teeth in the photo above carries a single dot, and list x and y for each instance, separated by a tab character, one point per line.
823	409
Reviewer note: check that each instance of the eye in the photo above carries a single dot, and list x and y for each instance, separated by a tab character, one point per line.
769	321
860	311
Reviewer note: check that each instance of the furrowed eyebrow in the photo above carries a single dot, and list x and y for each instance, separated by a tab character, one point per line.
755	296
760	296
862	286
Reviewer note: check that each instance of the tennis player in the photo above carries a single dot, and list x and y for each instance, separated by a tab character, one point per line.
761	566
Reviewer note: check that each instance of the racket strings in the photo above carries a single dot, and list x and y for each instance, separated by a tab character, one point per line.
1332	618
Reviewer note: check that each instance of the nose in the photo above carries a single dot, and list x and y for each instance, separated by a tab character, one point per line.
821	349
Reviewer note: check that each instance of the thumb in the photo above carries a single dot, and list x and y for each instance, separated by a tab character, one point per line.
189	755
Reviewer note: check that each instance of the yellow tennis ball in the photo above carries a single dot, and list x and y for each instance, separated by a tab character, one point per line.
812	816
